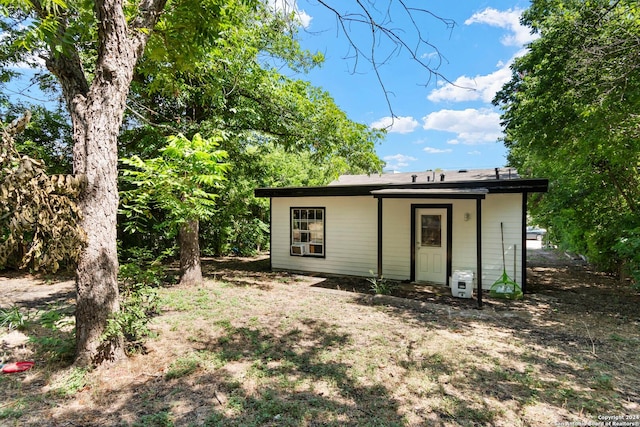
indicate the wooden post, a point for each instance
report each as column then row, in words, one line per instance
column 479, row 251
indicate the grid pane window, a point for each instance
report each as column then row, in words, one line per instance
column 307, row 231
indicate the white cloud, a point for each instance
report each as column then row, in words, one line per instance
column 484, row 87
column 288, row 6
column 471, row 126
column 518, row 35
column 432, row 150
column 429, row 55
column 473, row 88
column 305, row 20
column 396, row 124
column 474, row 153
column 398, row 161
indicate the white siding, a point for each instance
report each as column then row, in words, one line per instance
column 396, row 232
column 464, row 236
column 396, row 239
column 505, row 209
column 352, row 233
column 351, row 226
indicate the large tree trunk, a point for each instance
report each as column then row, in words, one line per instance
column 97, row 270
column 96, row 126
column 190, row 269
column 96, row 112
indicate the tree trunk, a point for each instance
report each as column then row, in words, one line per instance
column 190, row 270
column 97, row 270
column 96, row 112
column 96, row 123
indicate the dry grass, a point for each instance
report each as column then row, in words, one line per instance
column 254, row 348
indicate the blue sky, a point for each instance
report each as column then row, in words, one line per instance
column 437, row 125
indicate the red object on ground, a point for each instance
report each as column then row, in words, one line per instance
column 11, row 368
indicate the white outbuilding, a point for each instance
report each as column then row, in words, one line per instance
column 417, row 227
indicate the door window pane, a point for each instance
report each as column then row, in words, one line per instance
column 431, row 230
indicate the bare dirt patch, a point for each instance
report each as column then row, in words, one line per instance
column 255, row 347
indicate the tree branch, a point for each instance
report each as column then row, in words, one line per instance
column 381, row 32
column 141, row 26
column 66, row 67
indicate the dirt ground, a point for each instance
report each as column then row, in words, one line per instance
column 571, row 349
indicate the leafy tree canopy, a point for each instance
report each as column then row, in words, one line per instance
column 237, row 86
column 570, row 114
column 181, row 182
column 46, row 138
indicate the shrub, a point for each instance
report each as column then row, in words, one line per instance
column 380, row 285
column 13, row 318
column 139, row 280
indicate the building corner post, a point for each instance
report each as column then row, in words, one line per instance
column 479, row 251
column 380, row 237
column 523, row 275
column 271, row 233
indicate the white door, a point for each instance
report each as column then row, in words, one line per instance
column 431, row 245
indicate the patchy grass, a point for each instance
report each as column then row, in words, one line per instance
column 255, row 348
column 68, row 382
column 12, row 318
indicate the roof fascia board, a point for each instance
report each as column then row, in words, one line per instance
column 430, row 196
column 537, row 185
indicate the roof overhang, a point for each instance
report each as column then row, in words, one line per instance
column 430, row 193
column 435, row 189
